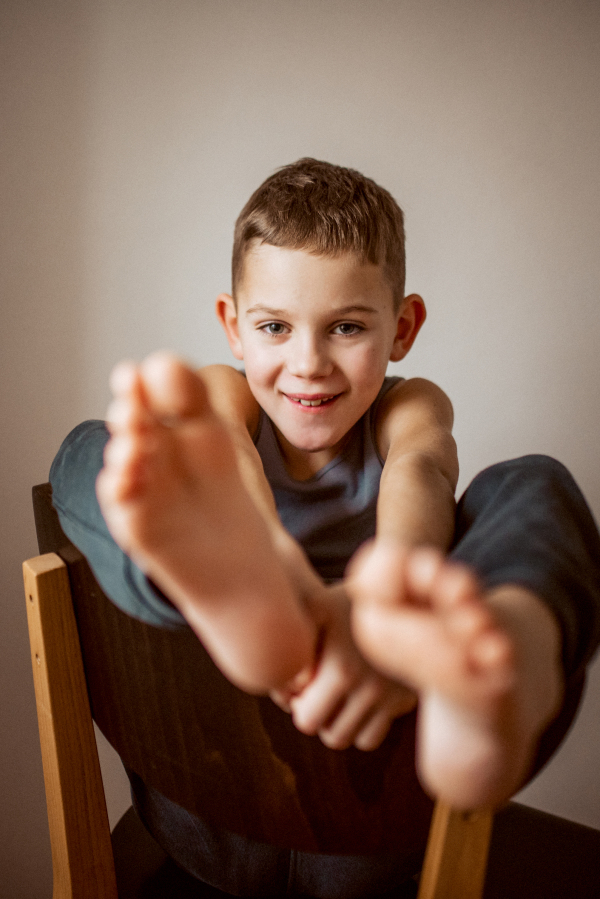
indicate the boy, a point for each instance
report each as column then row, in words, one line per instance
column 207, row 481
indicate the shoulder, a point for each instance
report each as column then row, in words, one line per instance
column 412, row 411
column 416, row 393
column 230, row 396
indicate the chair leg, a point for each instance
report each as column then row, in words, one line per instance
column 82, row 860
column 456, row 855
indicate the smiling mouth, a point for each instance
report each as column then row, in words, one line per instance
column 317, row 401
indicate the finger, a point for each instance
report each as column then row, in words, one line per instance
column 374, row 730
column 457, row 594
column 341, row 731
column 320, row 701
column 301, row 680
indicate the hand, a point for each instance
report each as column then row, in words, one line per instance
column 343, row 699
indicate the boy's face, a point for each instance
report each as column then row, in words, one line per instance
column 315, row 334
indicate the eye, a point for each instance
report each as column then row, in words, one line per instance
column 347, row 329
column 274, row 329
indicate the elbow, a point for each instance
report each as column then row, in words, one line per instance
column 423, row 474
column 435, row 468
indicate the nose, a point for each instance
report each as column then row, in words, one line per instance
column 309, row 357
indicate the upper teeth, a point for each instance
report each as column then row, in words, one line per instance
column 313, row 402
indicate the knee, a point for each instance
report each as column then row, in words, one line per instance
column 76, row 466
column 533, row 468
column 518, row 486
column 547, row 466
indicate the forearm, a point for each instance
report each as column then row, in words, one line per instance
column 416, row 503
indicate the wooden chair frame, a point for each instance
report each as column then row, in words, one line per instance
column 82, row 857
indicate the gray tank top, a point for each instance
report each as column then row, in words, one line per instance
column 334, row 511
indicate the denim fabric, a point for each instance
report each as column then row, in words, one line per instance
column 73, row 477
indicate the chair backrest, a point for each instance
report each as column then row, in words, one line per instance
column 82, row 861
column 237, row 760
column 233, row 759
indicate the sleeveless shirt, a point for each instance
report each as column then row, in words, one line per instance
column 332, row 513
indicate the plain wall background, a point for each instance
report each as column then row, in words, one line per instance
column 133, row 132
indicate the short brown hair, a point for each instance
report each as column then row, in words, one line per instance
column 326, row 210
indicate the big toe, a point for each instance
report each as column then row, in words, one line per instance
column 173, row 389
column 377, row 573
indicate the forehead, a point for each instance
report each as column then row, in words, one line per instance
column 290, row 275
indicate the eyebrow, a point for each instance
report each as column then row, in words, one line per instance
column 267, row 310
column 345, row 310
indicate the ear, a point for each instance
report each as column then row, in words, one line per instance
column 227, row 315
column 411, row 315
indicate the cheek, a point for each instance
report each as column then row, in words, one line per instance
column 259, row 366
column 368, row 363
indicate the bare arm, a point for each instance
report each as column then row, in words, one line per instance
column 416, row 498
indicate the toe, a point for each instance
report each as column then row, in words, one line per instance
column 174, row 390
column 123, row 377
column 377, row 573
column 455, row 586
column 424, row 566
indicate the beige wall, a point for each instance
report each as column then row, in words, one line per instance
column 132, row 132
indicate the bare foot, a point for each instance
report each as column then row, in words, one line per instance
column 486, row 667
column 173, row 500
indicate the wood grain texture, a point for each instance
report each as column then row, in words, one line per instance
column 456, row 856
column 82, row 859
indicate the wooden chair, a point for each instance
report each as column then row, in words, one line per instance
column 235, row 760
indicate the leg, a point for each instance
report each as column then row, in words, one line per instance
column 485, row 656
column 526, row 522
column 73, row 477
